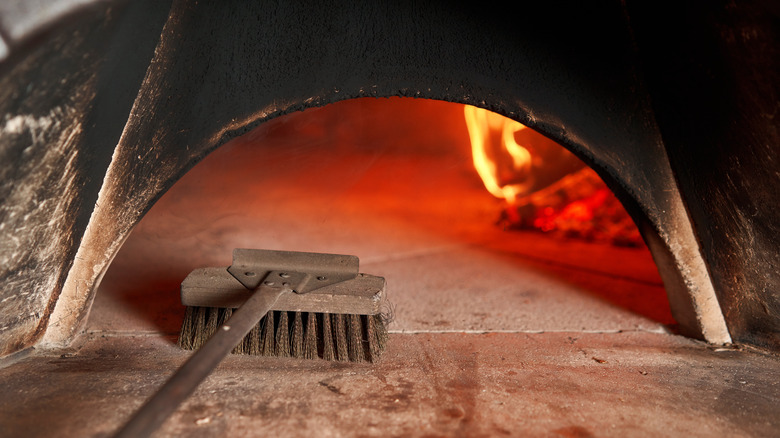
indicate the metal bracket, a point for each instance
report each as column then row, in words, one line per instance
column 286, row 279
column 250, row 266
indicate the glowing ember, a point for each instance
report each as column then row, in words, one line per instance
column 545, row 186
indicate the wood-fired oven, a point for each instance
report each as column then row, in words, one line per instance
column 106, row 104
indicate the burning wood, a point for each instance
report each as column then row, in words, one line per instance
column 545, row 186
column 580, row 206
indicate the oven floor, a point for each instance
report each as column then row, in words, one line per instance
column 495, row 332
column 427, row 384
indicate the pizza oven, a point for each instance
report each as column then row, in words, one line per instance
column 106, row 105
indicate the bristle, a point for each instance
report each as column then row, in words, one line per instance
column 369, row 325
column 327, row 338
column 252, row 343
column 355, row 338
column 198, row 338
column 282, row 337
column 268, row 335
column 211, row 323
column 296, row 339
column 310, row 337
column 340, row 337
column 187, row 328
column 379, row 339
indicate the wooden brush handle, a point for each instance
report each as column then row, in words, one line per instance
column 162, row 404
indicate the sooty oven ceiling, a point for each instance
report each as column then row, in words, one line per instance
column 107, row 104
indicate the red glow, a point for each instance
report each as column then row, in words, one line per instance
column 597, row 216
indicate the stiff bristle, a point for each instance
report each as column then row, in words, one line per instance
column 268, row 335
column 327, row 338
column 199, row 337
column 252, row 342
column 296, row 340
column 212, row 323
column 188, row 328
column 310, row 337
column 282, row 336
column 355, row 338
column 340, row 337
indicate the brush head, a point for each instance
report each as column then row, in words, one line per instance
column 305, row 335
column 343, row 321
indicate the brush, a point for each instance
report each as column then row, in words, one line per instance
column 342, row 321
column 303, row 305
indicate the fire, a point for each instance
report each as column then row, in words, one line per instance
column 483, row 127
column 545, row 186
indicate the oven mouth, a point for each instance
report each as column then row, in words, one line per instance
column 392, row 181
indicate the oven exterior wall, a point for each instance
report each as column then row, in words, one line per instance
column 67, row 81
column 713, row 72
column 575, row 74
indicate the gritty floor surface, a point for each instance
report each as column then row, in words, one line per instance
column 495, row 332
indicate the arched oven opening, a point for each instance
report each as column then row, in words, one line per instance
column 395, row 181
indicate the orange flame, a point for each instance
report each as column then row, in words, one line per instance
column 484, row 127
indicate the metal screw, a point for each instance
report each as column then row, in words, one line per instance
column 284, row 275
column 322, row 278
column 268, row 283
column 249, row 274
